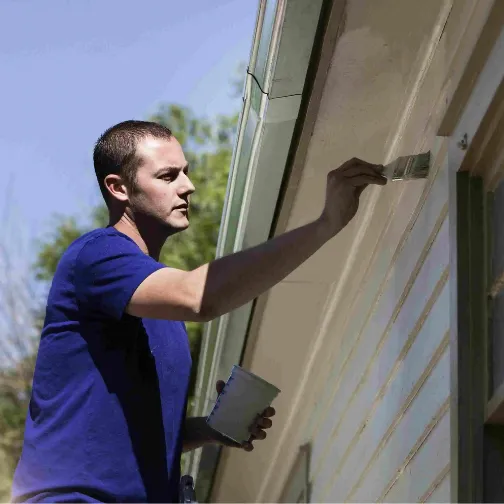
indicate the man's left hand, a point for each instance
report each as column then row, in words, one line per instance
column 257, row 429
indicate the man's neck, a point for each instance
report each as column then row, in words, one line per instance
column 150, row 243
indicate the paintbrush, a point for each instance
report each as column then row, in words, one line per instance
column 408, row 167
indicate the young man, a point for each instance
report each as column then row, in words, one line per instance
column 106, row 421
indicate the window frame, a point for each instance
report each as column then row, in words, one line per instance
column 297, row 487
column 476, row 162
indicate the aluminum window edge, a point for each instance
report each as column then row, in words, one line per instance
column 226, row 207
column 207, row 349
column 275, row 119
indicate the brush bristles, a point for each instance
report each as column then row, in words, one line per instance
column 410, row 167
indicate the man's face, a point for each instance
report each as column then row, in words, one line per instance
column 163, row 188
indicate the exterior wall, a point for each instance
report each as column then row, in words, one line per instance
column 357, row 338
column 380, row 429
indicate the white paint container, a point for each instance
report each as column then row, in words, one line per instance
column 244, row 397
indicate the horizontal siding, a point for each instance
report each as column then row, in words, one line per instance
column 401, row 382
column 408, row 425
column 337, row 352
column 388, row 391
column 440, row 490
column 395, row 335
column 395, row 263
column 423, row 465
column 336, row 399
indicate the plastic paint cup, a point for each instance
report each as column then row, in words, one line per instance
column 244, row 397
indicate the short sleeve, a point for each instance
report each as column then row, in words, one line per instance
column 108, row 270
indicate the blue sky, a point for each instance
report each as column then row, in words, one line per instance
column 70, row 69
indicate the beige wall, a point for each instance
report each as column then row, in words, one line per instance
column 357, row 337
column 380, row 427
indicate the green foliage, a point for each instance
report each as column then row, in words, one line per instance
column 66, row 232
column 15, row 390
column 14, row 396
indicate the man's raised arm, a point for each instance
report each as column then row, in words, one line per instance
column 229, row 282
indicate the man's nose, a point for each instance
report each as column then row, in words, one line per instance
column 186, row 186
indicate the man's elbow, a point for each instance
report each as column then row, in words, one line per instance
column 203, row 306
column 205, row 312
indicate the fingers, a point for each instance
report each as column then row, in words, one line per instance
column 357, row 173
column 353, row 162
column 256, row 430
column 269, row 412
column 373, row 170
column 356, row 163
column 360, row 180
column 257, row 433
column 264, row 423
column 248, row 446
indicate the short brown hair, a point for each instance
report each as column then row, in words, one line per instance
column 115, row 151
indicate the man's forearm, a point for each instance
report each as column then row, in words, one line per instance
column 196, row 434
column 234, row 280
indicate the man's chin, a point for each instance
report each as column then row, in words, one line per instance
column 178, row 225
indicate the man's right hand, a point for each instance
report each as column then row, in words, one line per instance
column 344, row 187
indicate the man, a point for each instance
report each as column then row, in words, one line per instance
column 106, row 420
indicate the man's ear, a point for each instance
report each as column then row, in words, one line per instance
column 116, row 187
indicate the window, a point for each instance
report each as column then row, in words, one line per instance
column 480, row 340
column 495, row 409
column 297, row 487
column 476, row 160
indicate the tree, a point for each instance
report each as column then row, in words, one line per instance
column 20, row 323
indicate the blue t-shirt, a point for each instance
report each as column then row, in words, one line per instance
column 109, row 391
